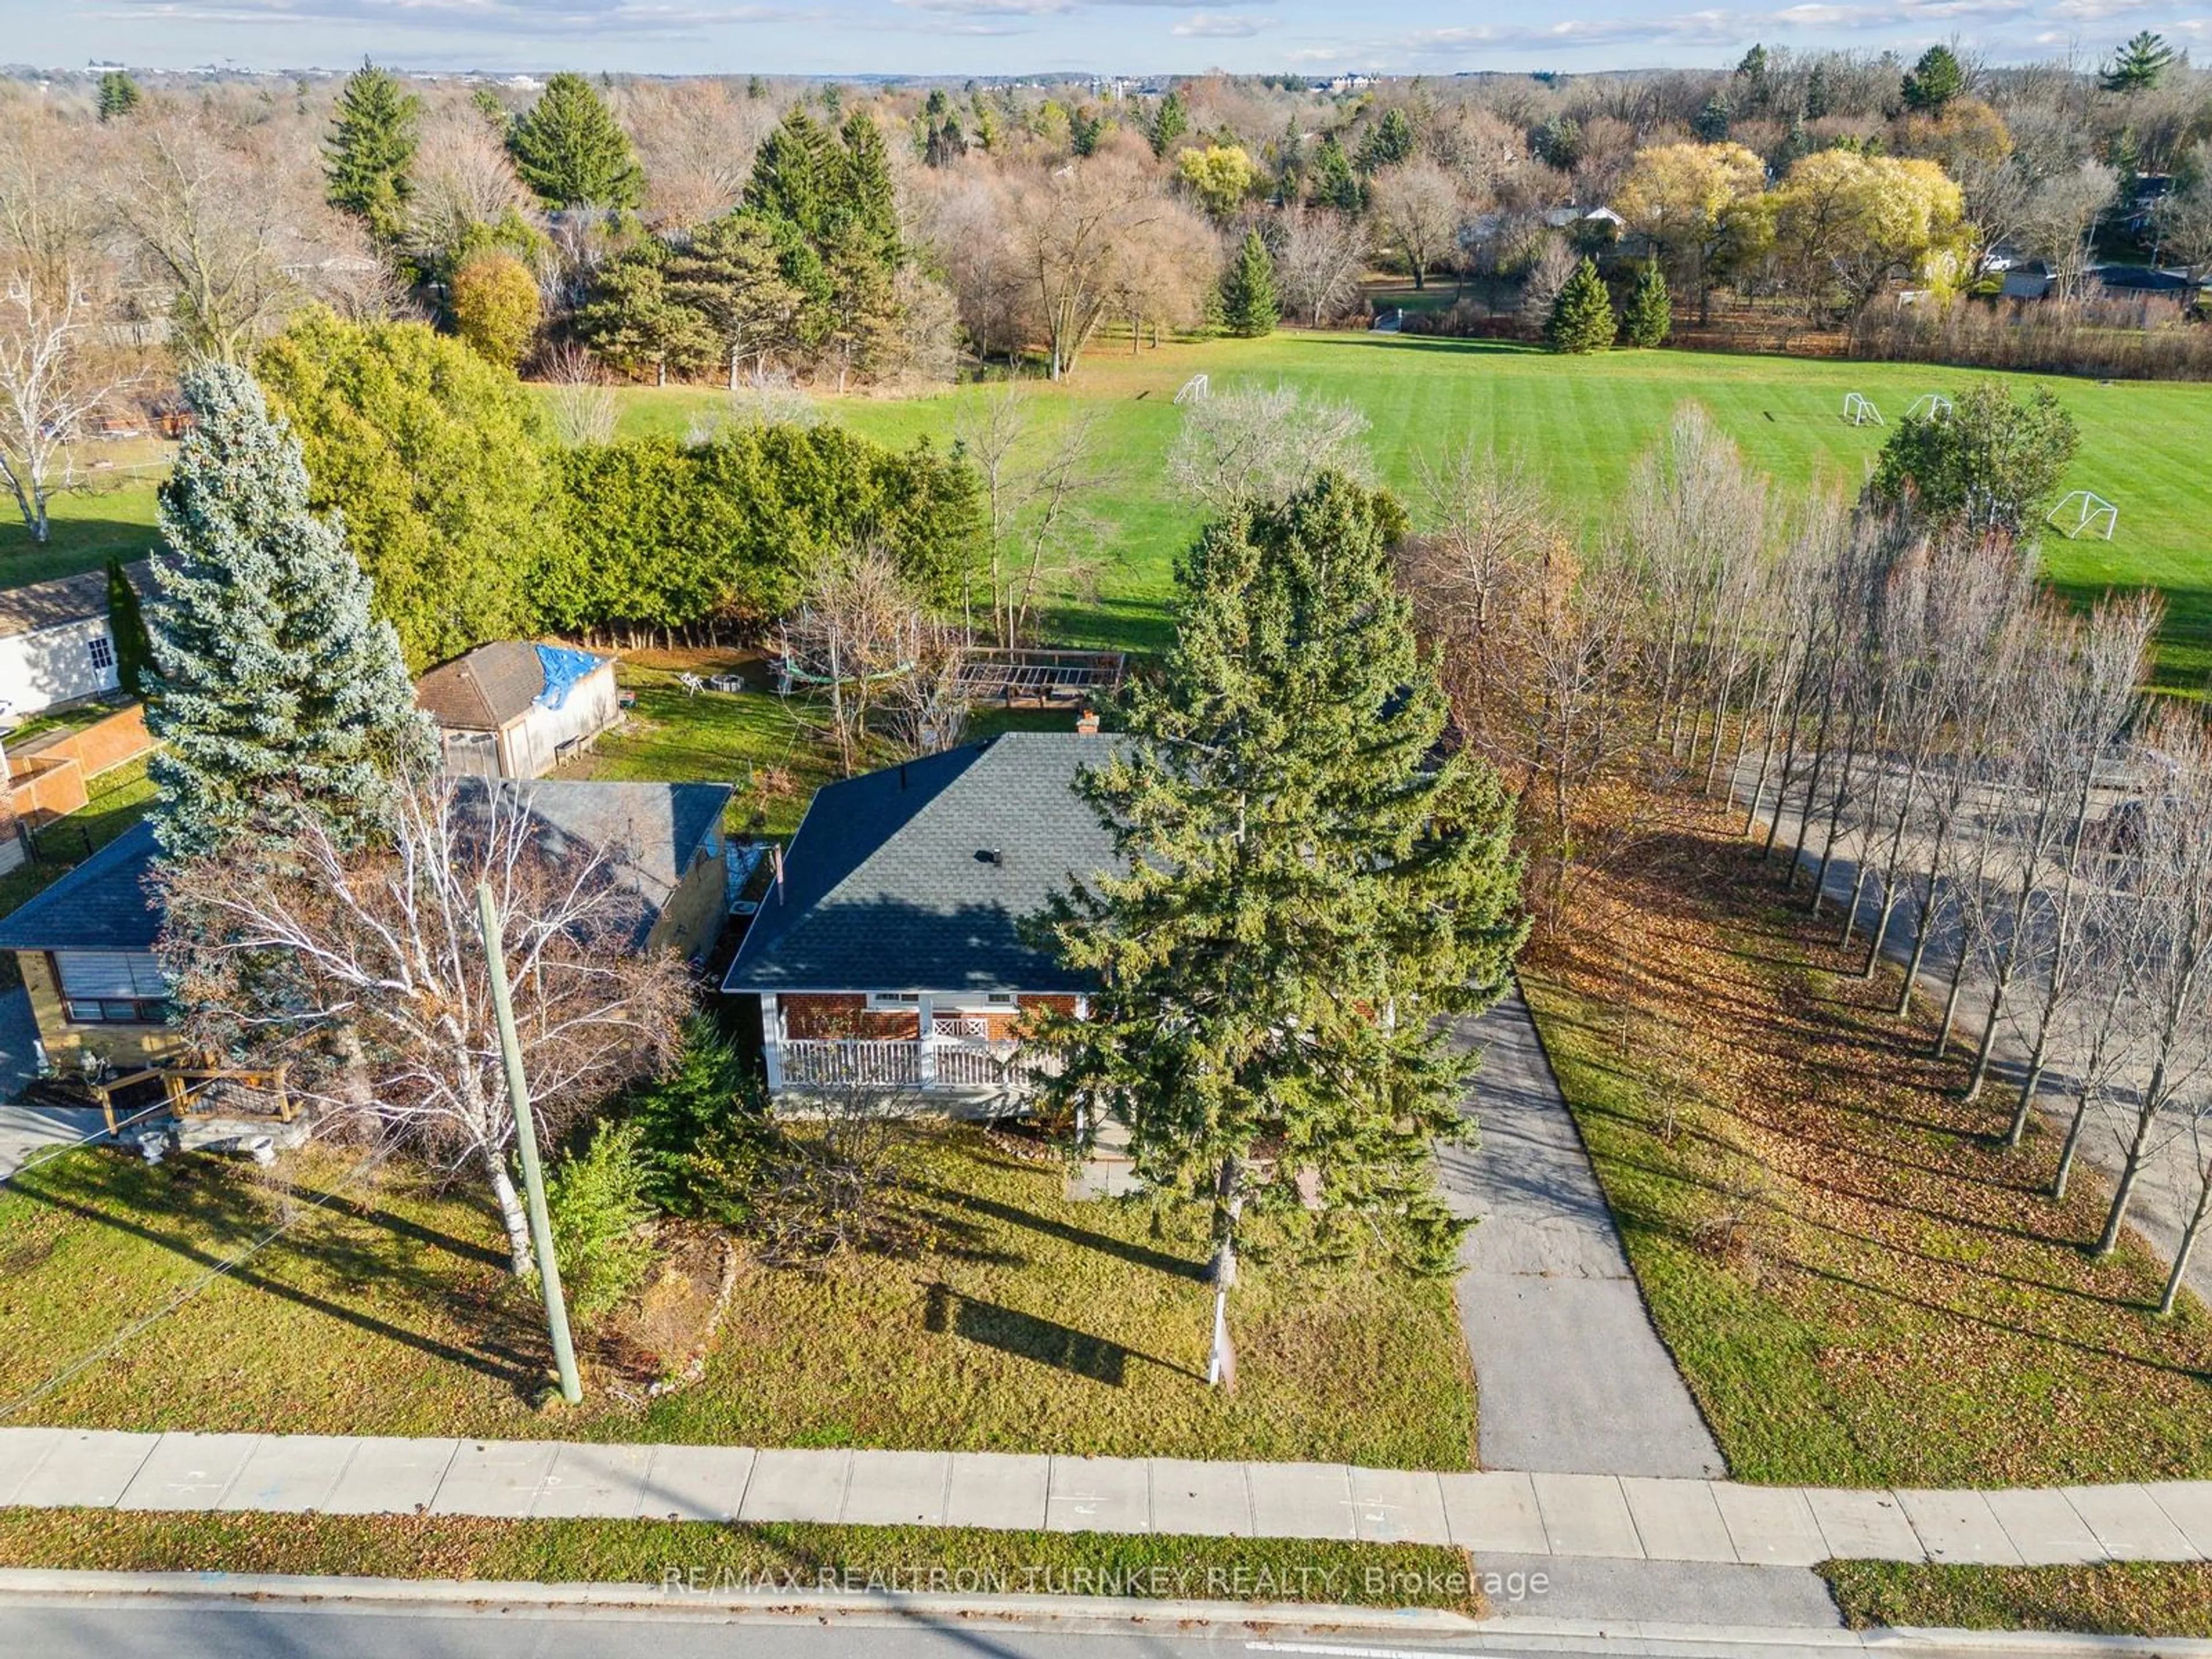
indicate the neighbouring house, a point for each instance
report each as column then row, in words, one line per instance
column 2032, row 281
column 54, row 644
column 665, row 840
column 86, row 944
column 889, row 953
column 516, row 710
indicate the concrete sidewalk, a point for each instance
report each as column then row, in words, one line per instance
column 1531, row 1515
column 1571, row 1374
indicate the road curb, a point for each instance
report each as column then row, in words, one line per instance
column 45, row 1584
column 1625, row 1637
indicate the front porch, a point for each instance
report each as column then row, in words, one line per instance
column 974, row 1055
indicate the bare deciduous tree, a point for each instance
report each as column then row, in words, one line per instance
column 1317, row 271
column 1252, row 443
column 1038, row 476
column 376, row 955
column 1417, row 207
column 857, row 631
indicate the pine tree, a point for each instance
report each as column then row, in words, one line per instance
column 1169, row 122
column 795, row 176
column 126, row 626
column 1713, row 119
column 1817, row 96
column 571, row 151
column 2141, row 65
column 118, row 94
column 1582, row 316
column 1249, row 304
column 270, row 676
column 1335, row 184
column 371, row 142
column 1648, row 314
column 1934, row 81
column 1308, row 890
column 1390, row 144
column 870, row 199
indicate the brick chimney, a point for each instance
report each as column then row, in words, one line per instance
column 1086, row 723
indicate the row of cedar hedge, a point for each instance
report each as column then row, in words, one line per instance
column 655, row 533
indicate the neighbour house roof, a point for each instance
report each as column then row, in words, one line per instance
column 916, row 877
column 102, row 905
column 496, row 684
column 651, row 831
column 65, row 600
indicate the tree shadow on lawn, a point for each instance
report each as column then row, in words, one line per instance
column 1138, row 1255
column 948, row 1312
column 499, row 1356
column 1431, row 343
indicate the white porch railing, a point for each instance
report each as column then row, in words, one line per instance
column 899, row 1063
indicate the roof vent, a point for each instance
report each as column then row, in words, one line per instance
column 990, row 856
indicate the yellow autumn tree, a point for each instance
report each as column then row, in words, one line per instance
column 1220, row 176
column 1846, row 224
column 1701, row 206
column 495, row 306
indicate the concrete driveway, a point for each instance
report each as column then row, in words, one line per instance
column 1573, row 1377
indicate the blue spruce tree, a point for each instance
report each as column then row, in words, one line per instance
column 273, row 683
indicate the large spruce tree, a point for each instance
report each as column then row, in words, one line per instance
column 371, row 141
column 1309, row 883
column 272, row 679
column 572, row 152
column 1250, row 306
column 1582, row 318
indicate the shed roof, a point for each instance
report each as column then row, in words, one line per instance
column 64, row 599
column 890, row 885
column 495, row 684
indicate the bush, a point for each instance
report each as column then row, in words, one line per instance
column 596, row 1201
column 703, row 1129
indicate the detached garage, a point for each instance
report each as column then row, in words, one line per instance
column 514, row 709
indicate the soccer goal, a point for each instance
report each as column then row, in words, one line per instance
column 1859, row 410
column 1195, row 389
column 2082, row 512
column 1928, row 406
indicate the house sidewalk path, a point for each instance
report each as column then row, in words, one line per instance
column 1517, row 1514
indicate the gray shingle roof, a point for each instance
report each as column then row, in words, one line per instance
column 652, row 830
column 885, row 888
column 102, row 905
column 65, row 600
column 487, row 688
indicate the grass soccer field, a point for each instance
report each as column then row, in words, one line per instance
column 1579, row 423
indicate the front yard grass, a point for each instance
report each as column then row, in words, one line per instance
column 1019, row 1320
column 766, row 1556
column 1861, row 1286
column 2123, row 1598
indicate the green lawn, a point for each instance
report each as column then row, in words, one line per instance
column 1862, row 1287
column 766, row 1556
column 2130, row 1598
column 1016, row 1320
column 1580, row 423
column 113, row 513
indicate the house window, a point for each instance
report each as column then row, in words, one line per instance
column 894, row 999
column 101, row 649
column 112, row 988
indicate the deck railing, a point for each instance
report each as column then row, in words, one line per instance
column 899, row 1063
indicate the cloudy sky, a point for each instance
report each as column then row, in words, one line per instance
column 941, row 37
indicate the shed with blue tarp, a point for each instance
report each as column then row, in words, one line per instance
column 516, row 708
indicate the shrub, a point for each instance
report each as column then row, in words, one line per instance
column 596, row 1201
column 701, row 1129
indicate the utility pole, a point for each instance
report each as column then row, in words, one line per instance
column 526, row 1147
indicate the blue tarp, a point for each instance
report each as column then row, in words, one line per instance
column 563, row 668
